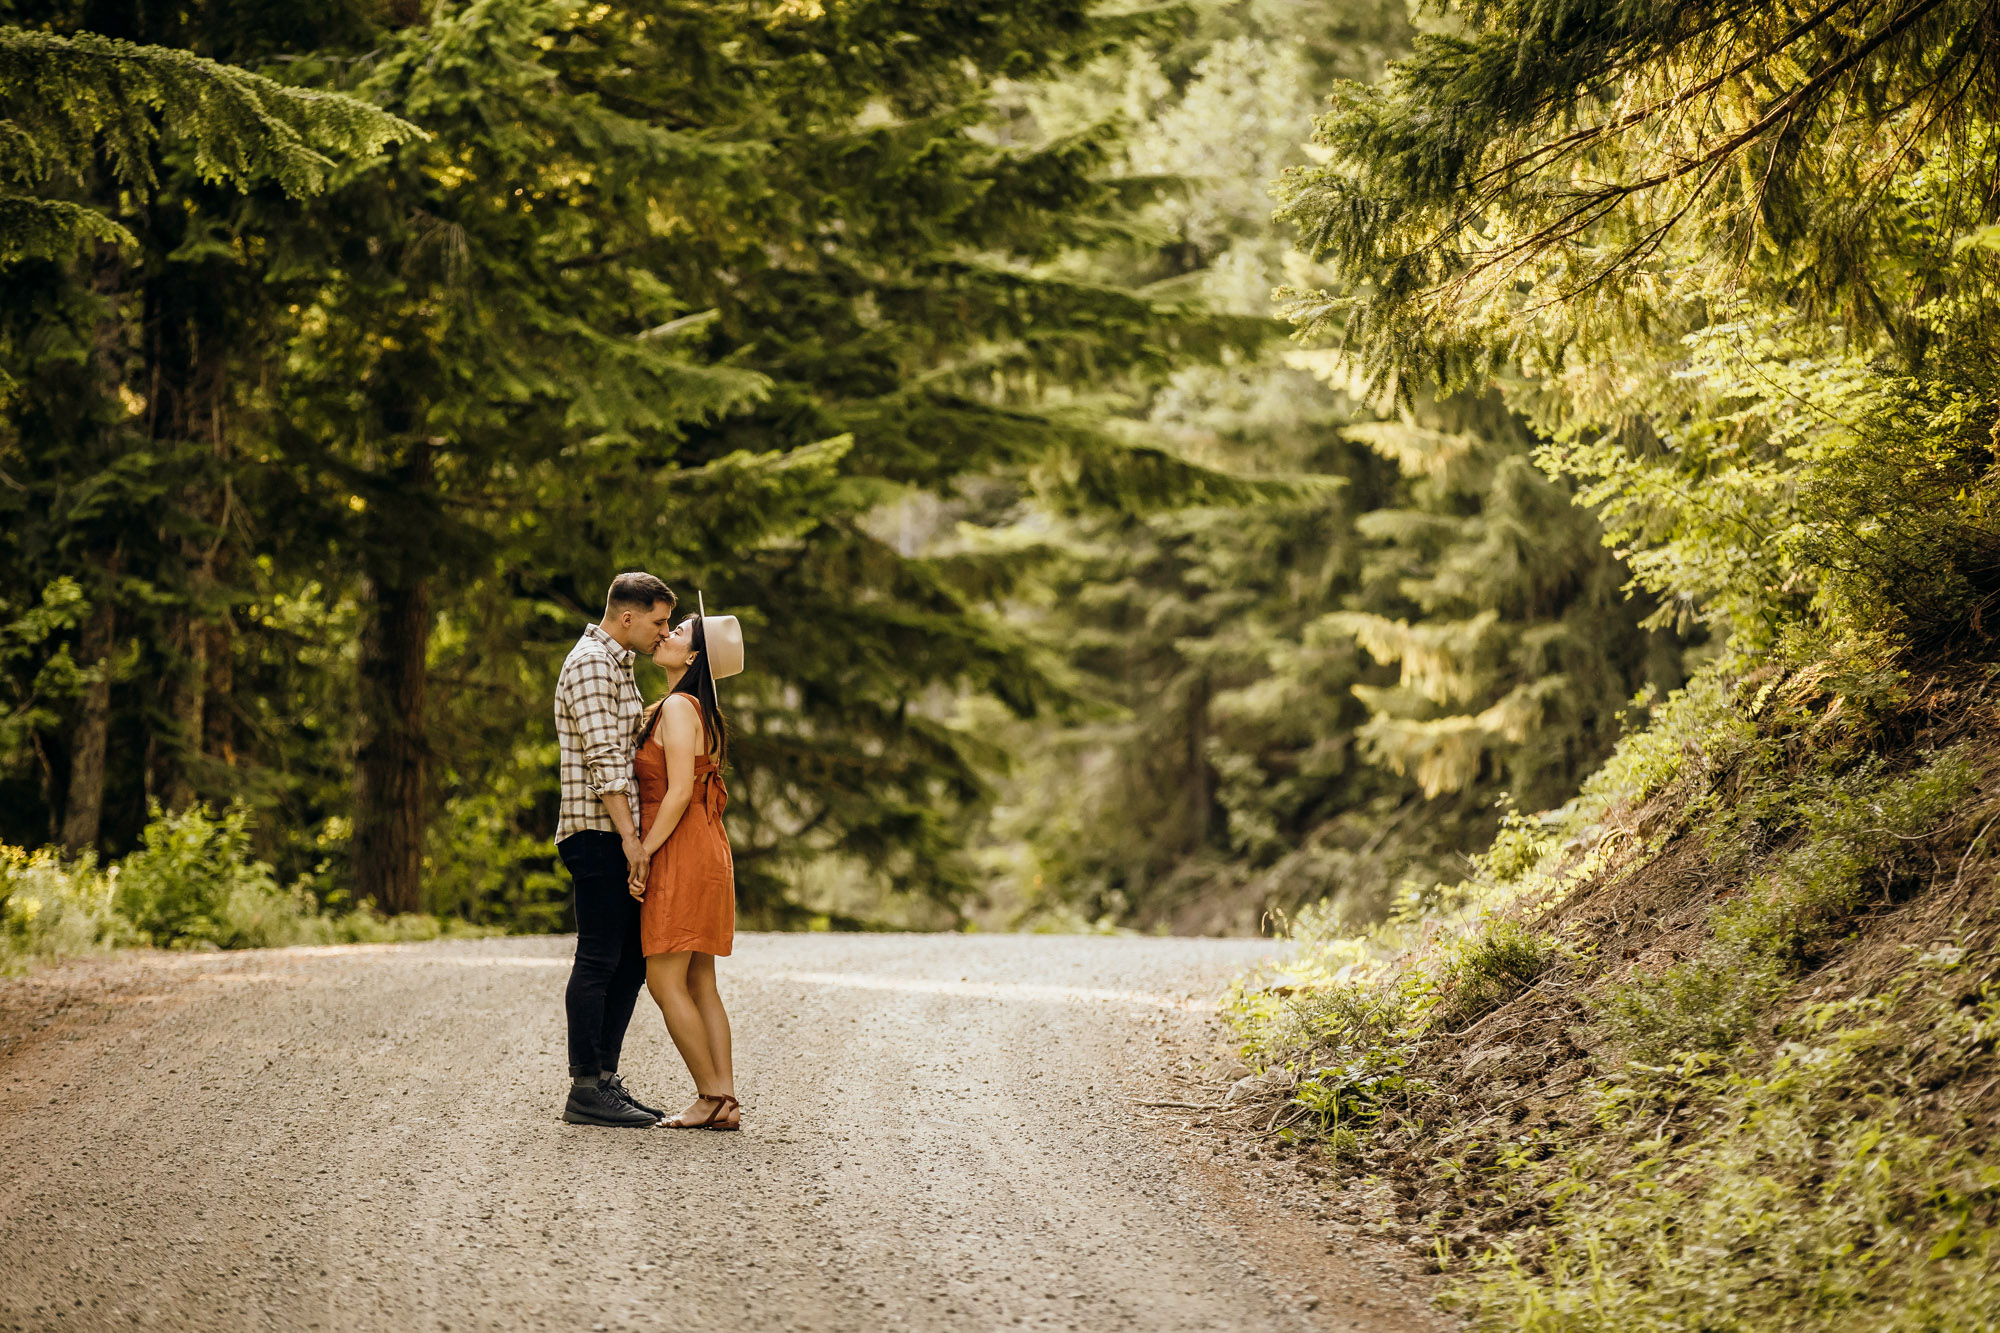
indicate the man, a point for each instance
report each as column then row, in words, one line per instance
column 597, row 836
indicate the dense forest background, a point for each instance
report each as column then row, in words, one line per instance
column 348, row 349
column 937, row 345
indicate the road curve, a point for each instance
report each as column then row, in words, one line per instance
column 937, row 1136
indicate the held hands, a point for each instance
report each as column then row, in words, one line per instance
column 636, row 862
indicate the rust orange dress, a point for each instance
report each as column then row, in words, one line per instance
column 690, row 902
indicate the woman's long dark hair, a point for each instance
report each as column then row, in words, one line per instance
column 698, row 681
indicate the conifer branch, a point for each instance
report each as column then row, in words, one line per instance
column 1786, row 105
column 1593, row 206
column 70, row 103
column 1591, row 133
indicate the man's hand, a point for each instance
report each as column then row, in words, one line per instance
column 635, row 865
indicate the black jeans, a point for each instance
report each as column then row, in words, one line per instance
column 604, row 981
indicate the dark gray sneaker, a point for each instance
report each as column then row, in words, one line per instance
column 601, row 1106
column 615, row 1083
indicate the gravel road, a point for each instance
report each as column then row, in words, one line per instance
column 939, row 1134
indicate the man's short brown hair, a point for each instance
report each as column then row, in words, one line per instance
column 638, row 591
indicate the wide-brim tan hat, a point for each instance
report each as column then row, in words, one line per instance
column 724, row 638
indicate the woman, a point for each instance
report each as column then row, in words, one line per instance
column 687, row 904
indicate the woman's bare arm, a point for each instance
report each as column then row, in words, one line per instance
column 678, row 732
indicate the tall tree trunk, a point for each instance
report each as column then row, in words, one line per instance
column 201, row 690
column 186, row 328
column 83, row 806
column 48, row 775
column 1201, row 777
column 83, row 800
column 393, row 764
column 187, row 694
column 218, row 731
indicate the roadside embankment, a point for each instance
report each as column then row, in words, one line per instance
column 1712, row 1047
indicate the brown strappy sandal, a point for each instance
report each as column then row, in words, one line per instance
column 722, row 1105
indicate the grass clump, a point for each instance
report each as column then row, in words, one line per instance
column 49, row 909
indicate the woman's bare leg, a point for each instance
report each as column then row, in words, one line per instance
column 715, row 1022
column 667, row 980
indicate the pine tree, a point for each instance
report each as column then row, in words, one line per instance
column 94, row 130
column 478, row 310
column 1516, row 644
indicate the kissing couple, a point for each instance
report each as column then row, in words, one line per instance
column 640, row 832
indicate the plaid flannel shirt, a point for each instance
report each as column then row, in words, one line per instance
column 597, row 719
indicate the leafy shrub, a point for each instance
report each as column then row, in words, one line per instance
column 1522, row 843
column 1355, row 1017
column 1343, row 1096
column 1327, row 1018
column 193, row 883
column 487, row 857
column 1695, row 727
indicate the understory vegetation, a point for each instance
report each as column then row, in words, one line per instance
column 193, row 883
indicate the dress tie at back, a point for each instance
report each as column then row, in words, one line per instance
column 708, row 788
